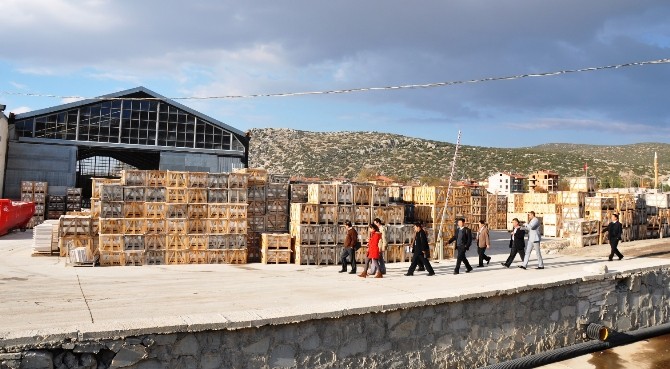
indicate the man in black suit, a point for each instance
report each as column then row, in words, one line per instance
column 420, row 251
column 614, row 231
column 516, row 243
column 463, row 238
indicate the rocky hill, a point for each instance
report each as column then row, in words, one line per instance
column 348, row 154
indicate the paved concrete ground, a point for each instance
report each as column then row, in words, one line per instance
column 41, row 296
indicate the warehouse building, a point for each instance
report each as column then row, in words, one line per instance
column 68, row 144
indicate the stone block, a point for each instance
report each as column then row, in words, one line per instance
column 283, row 357
column 187, row 346
column 88, row 347
column 211, row 361
column 259, row 348
column 353, row 347
column 128, row 355
column 37, row 360
column 403, row 330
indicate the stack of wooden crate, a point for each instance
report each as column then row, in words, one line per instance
column 276, row 248
column 429, row 207
column 582, row 232
column 56, row 206
column 35, row 192
column 73, row 199
column 496, row 211
column 658, row 214
column 75, row 231
column 600, row 209
column 166, row 217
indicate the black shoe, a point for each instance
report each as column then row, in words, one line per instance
column 522, row 267
column 431, row 274
column 455, row 273
column 352, row 272
column 469, row 270
column 343, row 271
column 488, row 261
column 505, row 265
column 480, row 266
column 620, row 257
column 409, row 274
column 610, row 259
column 539, row 268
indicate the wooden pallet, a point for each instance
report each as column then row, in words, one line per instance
column 271, row 241
column 276, row 256
column 134, row 193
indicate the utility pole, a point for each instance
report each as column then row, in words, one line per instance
column 440, row 241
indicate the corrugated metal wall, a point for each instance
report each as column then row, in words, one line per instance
column 198, row 162
column 4, row 133
column 38, row 162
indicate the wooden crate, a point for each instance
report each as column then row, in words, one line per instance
column 218, row 211
column 40, row 187
column 227, row 241
column 176, row 210
column 361, row 255
column 155, row 194
column 156, row 257
column 380, row 196
column 196, row 195
column 155, row 226
column 277, row 178
column 572, row 212
column 197, row 179
column 345, row 213
column 256, row 176
column 197, row 211
column 27, row 187
column 328, row 234
column 198, row 257
column 395, row 194
column 176, row 195
column 276, row 256
column 237, row 226
column 134, row 226
column 111, row 226
column 237, row 195
column 361, row 214
column 197, row 225
column 256, row 223
column 305, row 234
column 28, row 197
column 278, row 207
column 217, row 195
column 276, row 223
column 362, row 194
column 397, row 254
column 175, row 257
column 110, row 242
column 177, row 226
column 111, row 209
column 40, row 198
column 111, row 192
column 391, row 214
column 156, row 178
column 217, row 180
column 605, row 203
column 133, row 242
column 328, row 213
column 155, row 210
column 70, row 225
column 305, row 213
column 82, row 241
column 307, row 255
column 275, row 241
column 134, row 193
column 345, row 194
column 299, row 193
column 256, row 208
column 176, row 179
column 585, row 184
column 134, row 258
column 408, row 194
column 320, row 193
column 580, row 227
column 238, row 180
column 234, row 256
column 237, row 211
column 155, row 242
column 573, row 198
column 198, row 242
column 177, row 242
column 329, row 254
column 217, row 226
column 400, row 234
column 256, row 193
column 133, row 210
column 112, row 258
column 579, row 240
column 435, row 195
column 277, row 191
column 133, row 177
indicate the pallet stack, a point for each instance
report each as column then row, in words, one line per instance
column 496, row 211
column 600, row 209
column 75, row 231
column 276, row 248
column 582, row 232
column 73, row 199
column 166, row 217
column 428, row 209
column 35, row 192
column 56, row 206
column 658, row 214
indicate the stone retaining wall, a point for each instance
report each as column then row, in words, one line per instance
column 475, row 332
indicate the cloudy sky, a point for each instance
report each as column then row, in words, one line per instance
column 215, row 47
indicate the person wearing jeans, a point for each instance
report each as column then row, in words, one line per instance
column 349, row 250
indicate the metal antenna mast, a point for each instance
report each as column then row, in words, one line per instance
column 440, row 241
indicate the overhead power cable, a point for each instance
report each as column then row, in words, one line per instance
column 359, row 89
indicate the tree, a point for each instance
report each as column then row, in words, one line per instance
column 366, row 174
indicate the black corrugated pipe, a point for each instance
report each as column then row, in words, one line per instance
column 565, row 353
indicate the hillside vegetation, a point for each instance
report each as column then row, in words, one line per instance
column 346, row 154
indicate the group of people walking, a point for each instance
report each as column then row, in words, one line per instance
column 463, row 238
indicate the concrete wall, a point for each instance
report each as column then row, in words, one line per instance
column 474, row 332
column 197, row 162
column 4, row 133
column 55, row 164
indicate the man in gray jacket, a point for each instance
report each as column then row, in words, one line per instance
column 533, row 229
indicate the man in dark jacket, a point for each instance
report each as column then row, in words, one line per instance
column 463, row 238
column 349, row 250
column 614, row 232
column 420, row 251
column 516, row 243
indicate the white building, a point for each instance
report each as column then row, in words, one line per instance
column 505, row 183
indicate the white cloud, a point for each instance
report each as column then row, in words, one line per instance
column 21, row 109
column 68, row 100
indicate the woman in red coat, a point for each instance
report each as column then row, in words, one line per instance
column 373, row 251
